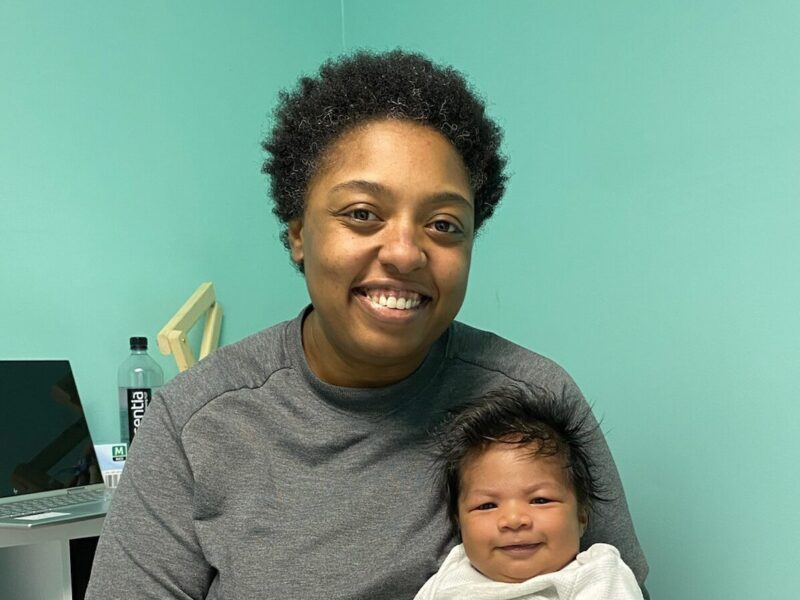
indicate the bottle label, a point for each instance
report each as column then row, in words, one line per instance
column 138, row 399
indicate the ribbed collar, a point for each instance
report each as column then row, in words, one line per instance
column 366, row 401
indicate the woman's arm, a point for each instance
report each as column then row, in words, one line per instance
column 148, row 547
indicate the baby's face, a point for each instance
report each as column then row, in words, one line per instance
column 518, row 514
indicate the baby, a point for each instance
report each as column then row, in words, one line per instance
column 519, row 487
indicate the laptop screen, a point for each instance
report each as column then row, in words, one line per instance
column 45, row 438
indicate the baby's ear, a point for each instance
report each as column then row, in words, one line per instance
column 583, row 519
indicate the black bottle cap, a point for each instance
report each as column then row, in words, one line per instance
column 138, row 343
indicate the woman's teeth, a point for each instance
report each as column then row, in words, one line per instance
column 404, row 302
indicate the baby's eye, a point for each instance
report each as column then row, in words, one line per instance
column 443, row 226
column 541, row 500
column 486, row 506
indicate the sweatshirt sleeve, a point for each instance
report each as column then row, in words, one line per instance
column 148, row 547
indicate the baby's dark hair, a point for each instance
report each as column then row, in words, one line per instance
column 539, row 421
column 364, row 87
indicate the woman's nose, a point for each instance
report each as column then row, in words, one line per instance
column 402, row 249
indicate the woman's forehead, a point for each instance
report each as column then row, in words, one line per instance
column 395, row 153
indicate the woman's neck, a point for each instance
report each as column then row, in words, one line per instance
column 334, row 367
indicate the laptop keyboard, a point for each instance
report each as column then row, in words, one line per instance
column 40, row 505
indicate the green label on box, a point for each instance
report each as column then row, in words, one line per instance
column 119, row 452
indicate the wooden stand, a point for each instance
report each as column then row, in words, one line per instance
column 172, row 339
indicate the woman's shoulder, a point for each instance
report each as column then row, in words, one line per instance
column 488, row 351
column 248, row 363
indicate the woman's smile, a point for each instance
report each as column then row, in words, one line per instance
column 391, row 309
column 391, row 298
column 392, row 302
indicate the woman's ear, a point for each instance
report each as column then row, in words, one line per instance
column 295, row 230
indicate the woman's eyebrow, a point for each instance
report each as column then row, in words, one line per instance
column 450, row 198
column 362, row 185
column 379, row 190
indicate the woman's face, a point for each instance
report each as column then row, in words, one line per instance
column 385, row 240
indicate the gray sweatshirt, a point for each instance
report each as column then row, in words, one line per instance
column 251, row 478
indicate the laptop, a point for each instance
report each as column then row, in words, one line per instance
column 49, row 471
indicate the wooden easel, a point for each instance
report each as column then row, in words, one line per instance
column 172, row 339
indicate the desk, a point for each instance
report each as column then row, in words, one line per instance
column 35, row 563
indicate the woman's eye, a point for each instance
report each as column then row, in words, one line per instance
column 445, row 227
column 361, row 214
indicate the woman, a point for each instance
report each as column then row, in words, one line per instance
column 292, row 464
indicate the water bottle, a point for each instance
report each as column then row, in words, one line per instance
column 138, row 378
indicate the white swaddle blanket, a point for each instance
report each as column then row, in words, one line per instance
column 596, row 574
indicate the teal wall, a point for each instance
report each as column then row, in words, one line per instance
column 648, row 242
column 130, row 172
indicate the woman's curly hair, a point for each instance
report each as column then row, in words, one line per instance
column 365, row 86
